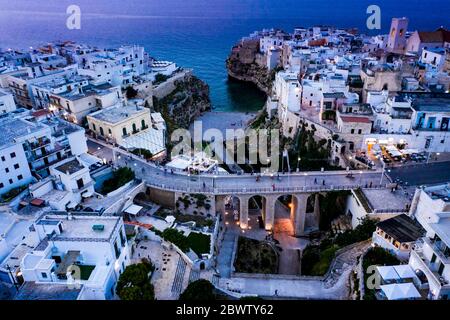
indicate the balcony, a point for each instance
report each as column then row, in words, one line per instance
column 429, row 268
column 49, row 164
column 47, row 153
column 440, row 249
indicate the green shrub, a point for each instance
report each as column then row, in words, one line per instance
column 120, row 177
column 200, row 290
column 200, row 243
column 134, row 282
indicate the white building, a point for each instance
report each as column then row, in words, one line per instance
column 434, row 58
column 431, row 256
column 77, row 102
column 14, row 164
column 7, row 103
column 85, row 252
column 398, row 235
column 72, row 176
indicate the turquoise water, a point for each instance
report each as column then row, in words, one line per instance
column 197, row 33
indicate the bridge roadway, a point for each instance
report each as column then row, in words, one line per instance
column 232, row 184
column 300, row 185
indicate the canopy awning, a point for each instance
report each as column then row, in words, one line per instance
column 388, row 273
column 71, row 205
column 405, row 271
column 87, row 194
column 133, row 209
column 400, row 291
column 37, row 202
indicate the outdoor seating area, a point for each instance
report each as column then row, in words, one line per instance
column 399, row 282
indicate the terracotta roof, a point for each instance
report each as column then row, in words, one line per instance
column 37, row 202
column 431, row 37
column 40, row 113
column 355, row 119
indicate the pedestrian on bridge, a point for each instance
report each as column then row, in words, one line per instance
column 323, row 182
column 315, row 180
column 273, row 187
column 204, row 185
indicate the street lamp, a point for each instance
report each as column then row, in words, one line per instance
column 298, row 164
column 305, row 174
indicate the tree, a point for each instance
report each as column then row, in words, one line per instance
column 134, row 282
column 131, row 92
column 199, row 290
column 120, row 177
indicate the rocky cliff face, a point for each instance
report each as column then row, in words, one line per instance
column 188, row 100
column 244, row 63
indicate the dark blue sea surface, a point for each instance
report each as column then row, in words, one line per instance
column 198, row 33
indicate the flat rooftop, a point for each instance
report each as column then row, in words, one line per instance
column 89, row 90
column 354, row 119
column 117, row 114
column 402, row 228
column 70, row 167
column 432, row 104
column 385, row 200
column 439, row 192
column 13, row 128
column 80, row 227
column 442, row 229
column 47, row 291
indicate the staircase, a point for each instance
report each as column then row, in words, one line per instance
column 179, row 276
column 194, row 275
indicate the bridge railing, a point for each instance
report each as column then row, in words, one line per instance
column 244, row 190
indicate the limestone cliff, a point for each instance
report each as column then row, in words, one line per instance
column 245, row 64
column 181, row 105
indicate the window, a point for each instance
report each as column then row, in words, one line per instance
column 352, row 131
column 101, row 131
column 13, row 155
column 124, row 131
column 1, row 185
column 7, row 170
column 80, row 183
column 143, row 123
column 44, row 275
column 16, row 166
column 116, row 249
column 93, row 126
column 359, row 131
column 11, row 181
column 3, row 158
column 19, row 177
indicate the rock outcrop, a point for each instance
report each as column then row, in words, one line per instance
column 187, row 100
column 245, row 64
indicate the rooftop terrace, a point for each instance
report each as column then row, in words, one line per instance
column 70, row 167
column 13, row 128
column 80, row 227
column 117, row 113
